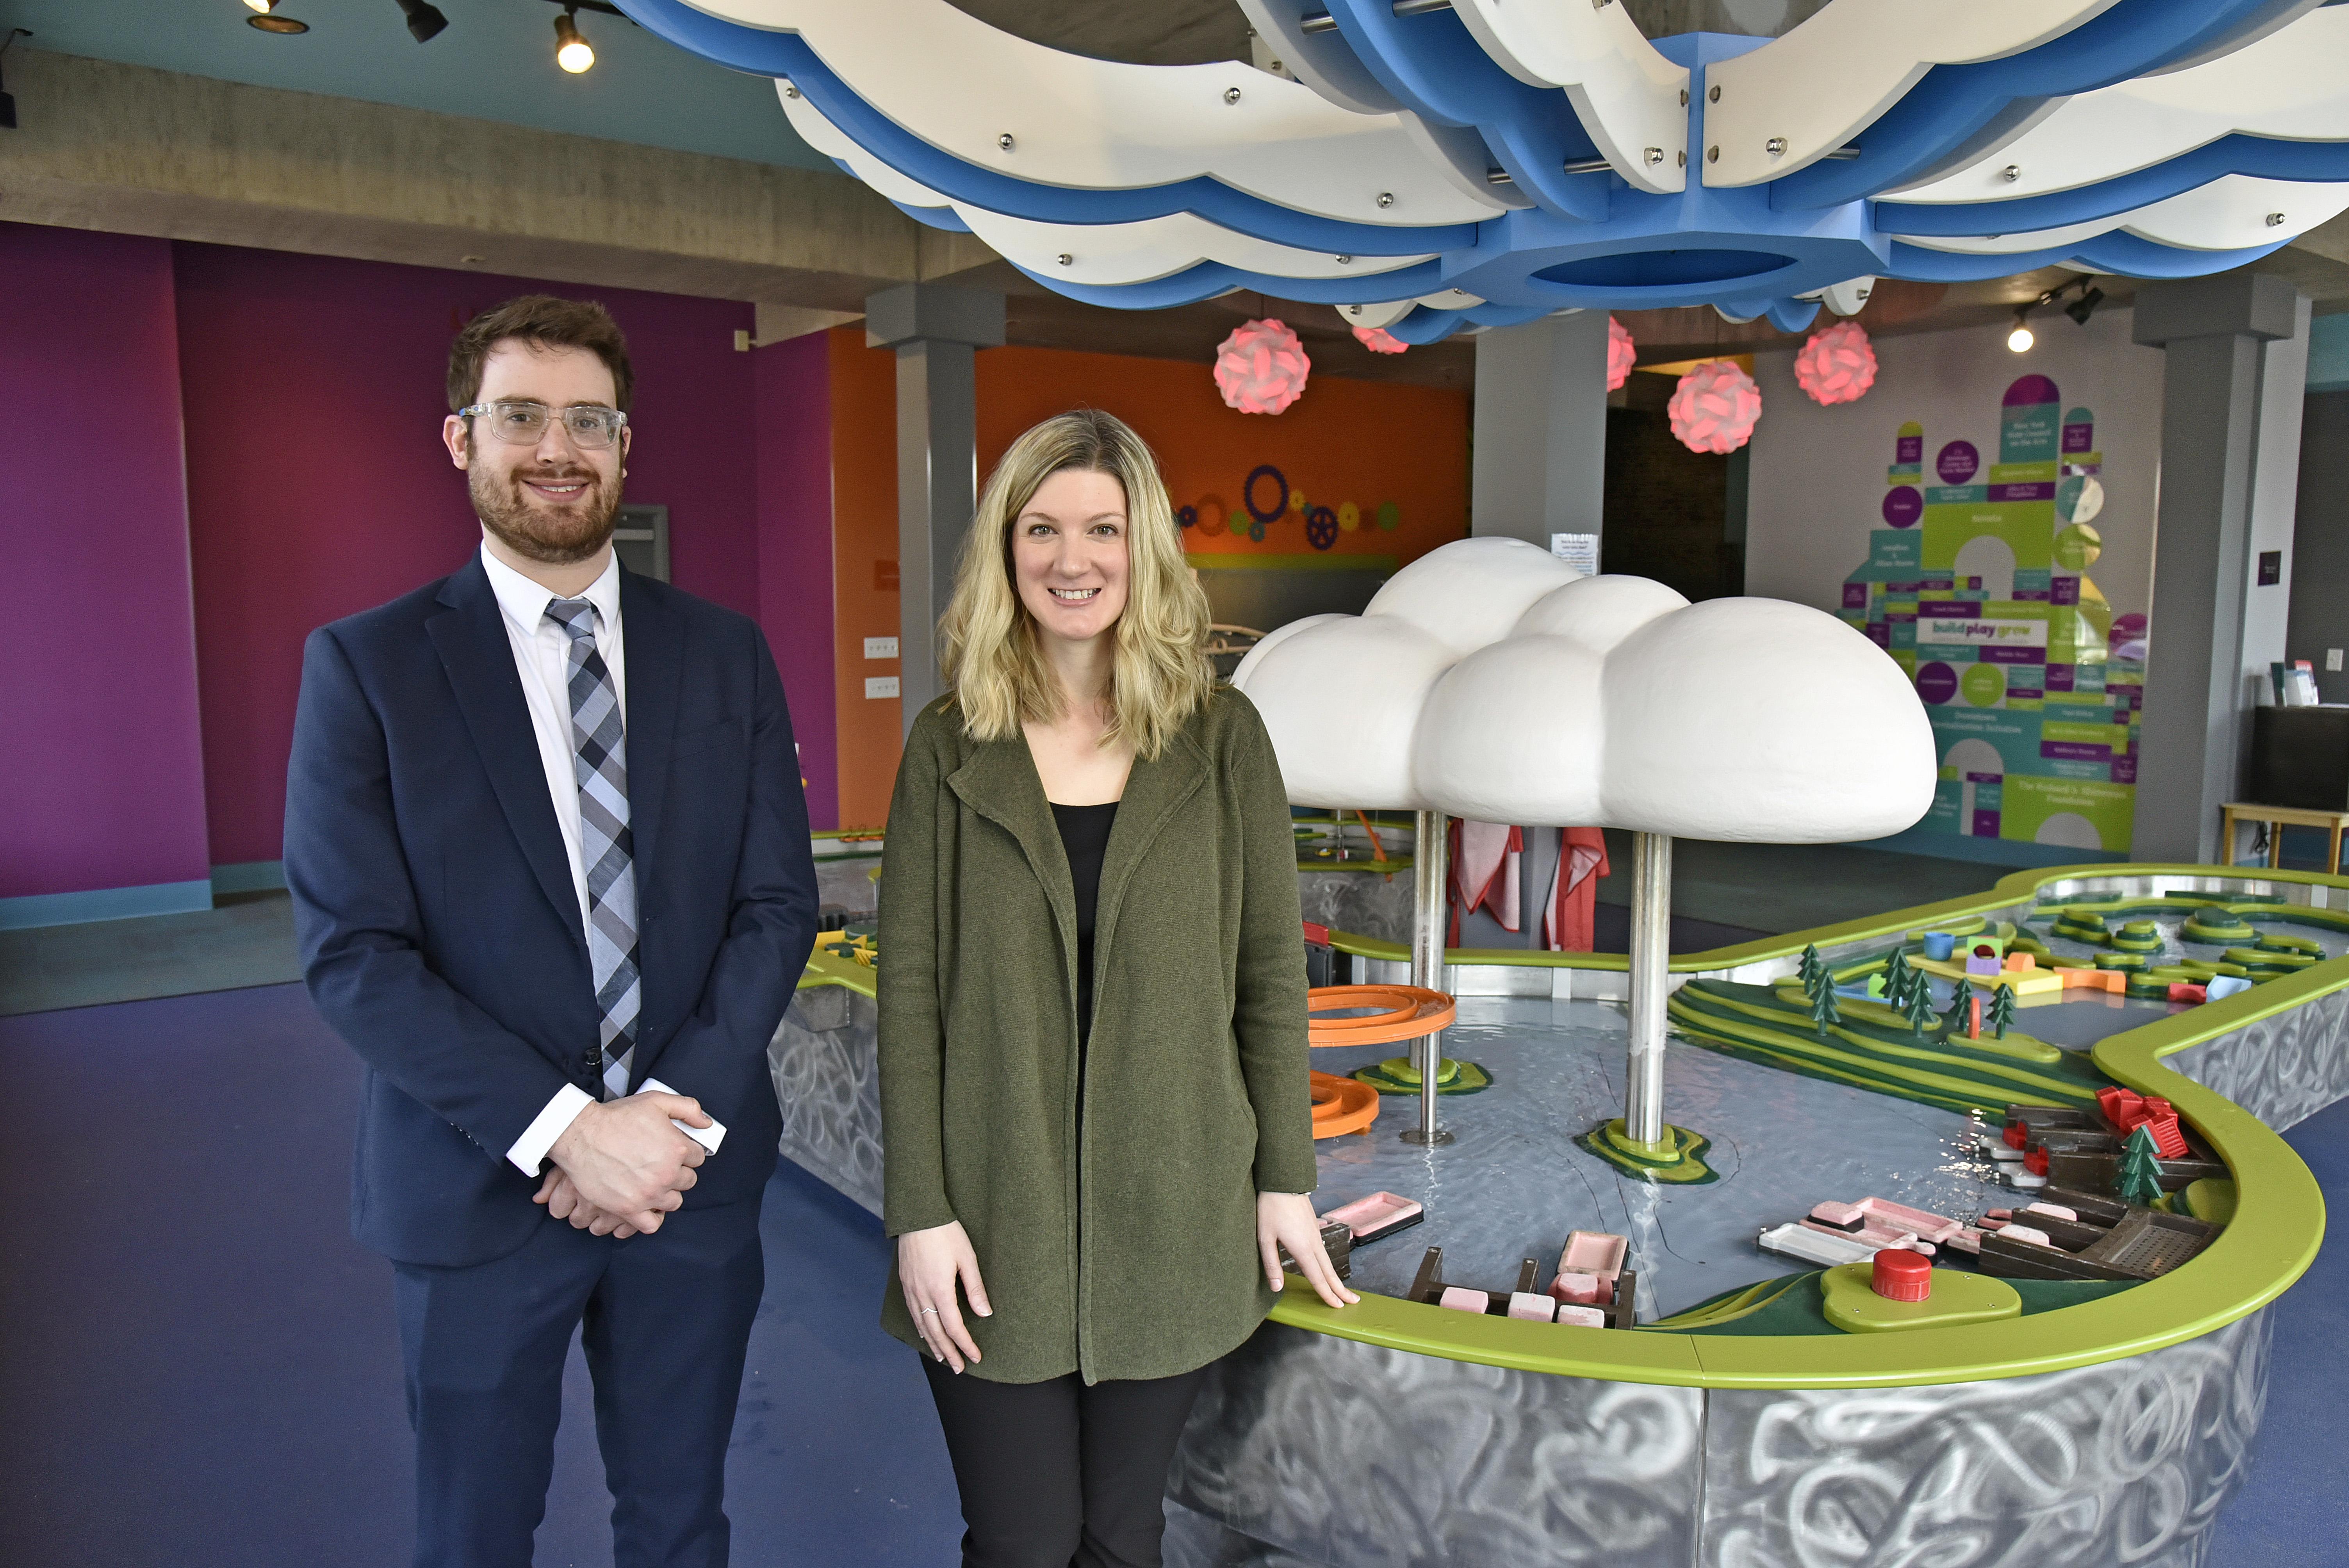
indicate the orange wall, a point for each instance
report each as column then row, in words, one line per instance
column 1365, row 442
column 863, row 569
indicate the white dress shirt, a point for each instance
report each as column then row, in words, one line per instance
column 542, row 653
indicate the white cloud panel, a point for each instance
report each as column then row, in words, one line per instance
column 1490, row 681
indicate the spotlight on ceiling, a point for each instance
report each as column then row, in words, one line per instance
column 286, row 27
column 265, row 7
column 571, row 50
column 2080, row 309
column 2020, row 340
column 424, row 21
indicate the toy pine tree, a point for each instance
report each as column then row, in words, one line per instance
column 1811, row 968
column 2140, row 1176
column 1824, row 1013
column 1919, row 1010
column 2000, row 1015
column 1897, row 978
column 1961, row 1008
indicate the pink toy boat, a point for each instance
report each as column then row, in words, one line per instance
column 1589, row 1268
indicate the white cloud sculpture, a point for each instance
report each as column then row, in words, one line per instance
column 1491, row 681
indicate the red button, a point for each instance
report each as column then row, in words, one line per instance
column 1902, row 1275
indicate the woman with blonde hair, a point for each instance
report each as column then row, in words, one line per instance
column 1093, row 1043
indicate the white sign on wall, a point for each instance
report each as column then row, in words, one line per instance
column 1579, row 550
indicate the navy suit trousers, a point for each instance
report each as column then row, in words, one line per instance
column 667, row 1323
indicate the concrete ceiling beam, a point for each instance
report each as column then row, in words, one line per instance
column 131, row 150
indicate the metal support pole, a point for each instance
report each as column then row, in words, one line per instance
column 1428, row 912
column 1652, row 949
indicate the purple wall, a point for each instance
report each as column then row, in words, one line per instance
column 318, row 485
column 102, row 764
column 794, row 402
column 159, row 582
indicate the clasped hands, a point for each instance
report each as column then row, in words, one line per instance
column 619, row 1167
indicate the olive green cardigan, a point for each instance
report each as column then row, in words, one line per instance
column 1114, row 1211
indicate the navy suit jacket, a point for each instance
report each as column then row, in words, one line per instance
column 440, row 931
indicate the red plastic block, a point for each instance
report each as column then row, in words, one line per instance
column 2169, row 1142
column 1901, row 1276
column 2016, row 1138
column 2123, row 1109
column 2036, row 1161
column 2186, row 991
column 1317, row 934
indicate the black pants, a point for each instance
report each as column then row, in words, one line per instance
column 667, row 1320
column 1058, row 1475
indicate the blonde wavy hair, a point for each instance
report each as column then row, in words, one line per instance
column 1159, row 674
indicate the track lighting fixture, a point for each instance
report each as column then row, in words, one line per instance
column 571, row 47
column 424, row 21
column 2080, row 309
column 2020, row 340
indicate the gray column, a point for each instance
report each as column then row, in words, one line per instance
column 936, row 330
column 1541, row 428
column 2218, row 474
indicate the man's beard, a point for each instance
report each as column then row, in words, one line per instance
column 535, row 532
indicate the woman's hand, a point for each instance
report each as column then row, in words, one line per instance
column 1287, row 1220
column 928, row 1263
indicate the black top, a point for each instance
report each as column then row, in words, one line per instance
column 1084, row 834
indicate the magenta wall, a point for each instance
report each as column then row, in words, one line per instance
column 100, row 751
column 318, row 486
column 794, row 382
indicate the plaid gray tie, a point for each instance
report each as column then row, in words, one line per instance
column 599, row 747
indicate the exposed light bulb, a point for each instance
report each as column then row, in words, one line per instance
column 2020, row 340
column 571, row 48
column 263, row 6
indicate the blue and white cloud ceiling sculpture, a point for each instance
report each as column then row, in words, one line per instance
column 1445, row 162
column 1490, row 680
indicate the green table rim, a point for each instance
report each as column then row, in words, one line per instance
column 2279, row 1222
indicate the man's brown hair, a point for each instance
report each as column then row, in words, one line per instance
column 547, row 320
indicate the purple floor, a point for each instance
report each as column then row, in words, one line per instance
column 199, row 1370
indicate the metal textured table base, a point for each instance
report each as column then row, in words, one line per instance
column 1307, row 1451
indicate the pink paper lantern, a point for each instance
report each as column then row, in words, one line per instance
column 1837, row 366
column 1715, row 407
column 1260, row 368
column 1379, row 340
column 1619, row 354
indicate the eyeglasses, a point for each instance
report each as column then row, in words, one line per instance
column 524, row 424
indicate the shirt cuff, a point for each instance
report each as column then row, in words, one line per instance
column 529, row 1150
column 708, row 1136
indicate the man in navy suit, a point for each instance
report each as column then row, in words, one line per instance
column 549, row 858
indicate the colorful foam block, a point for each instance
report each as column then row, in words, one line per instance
column 1532, row 1309
column 1582, row 1316
column 1580, row 1289
column 1460, row 1298
column 1599, row 1252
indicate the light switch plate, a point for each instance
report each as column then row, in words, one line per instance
column 880, row 647
column 2332, row 660
column 880, row 686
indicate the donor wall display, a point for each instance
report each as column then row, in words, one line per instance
column 1978, row 584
